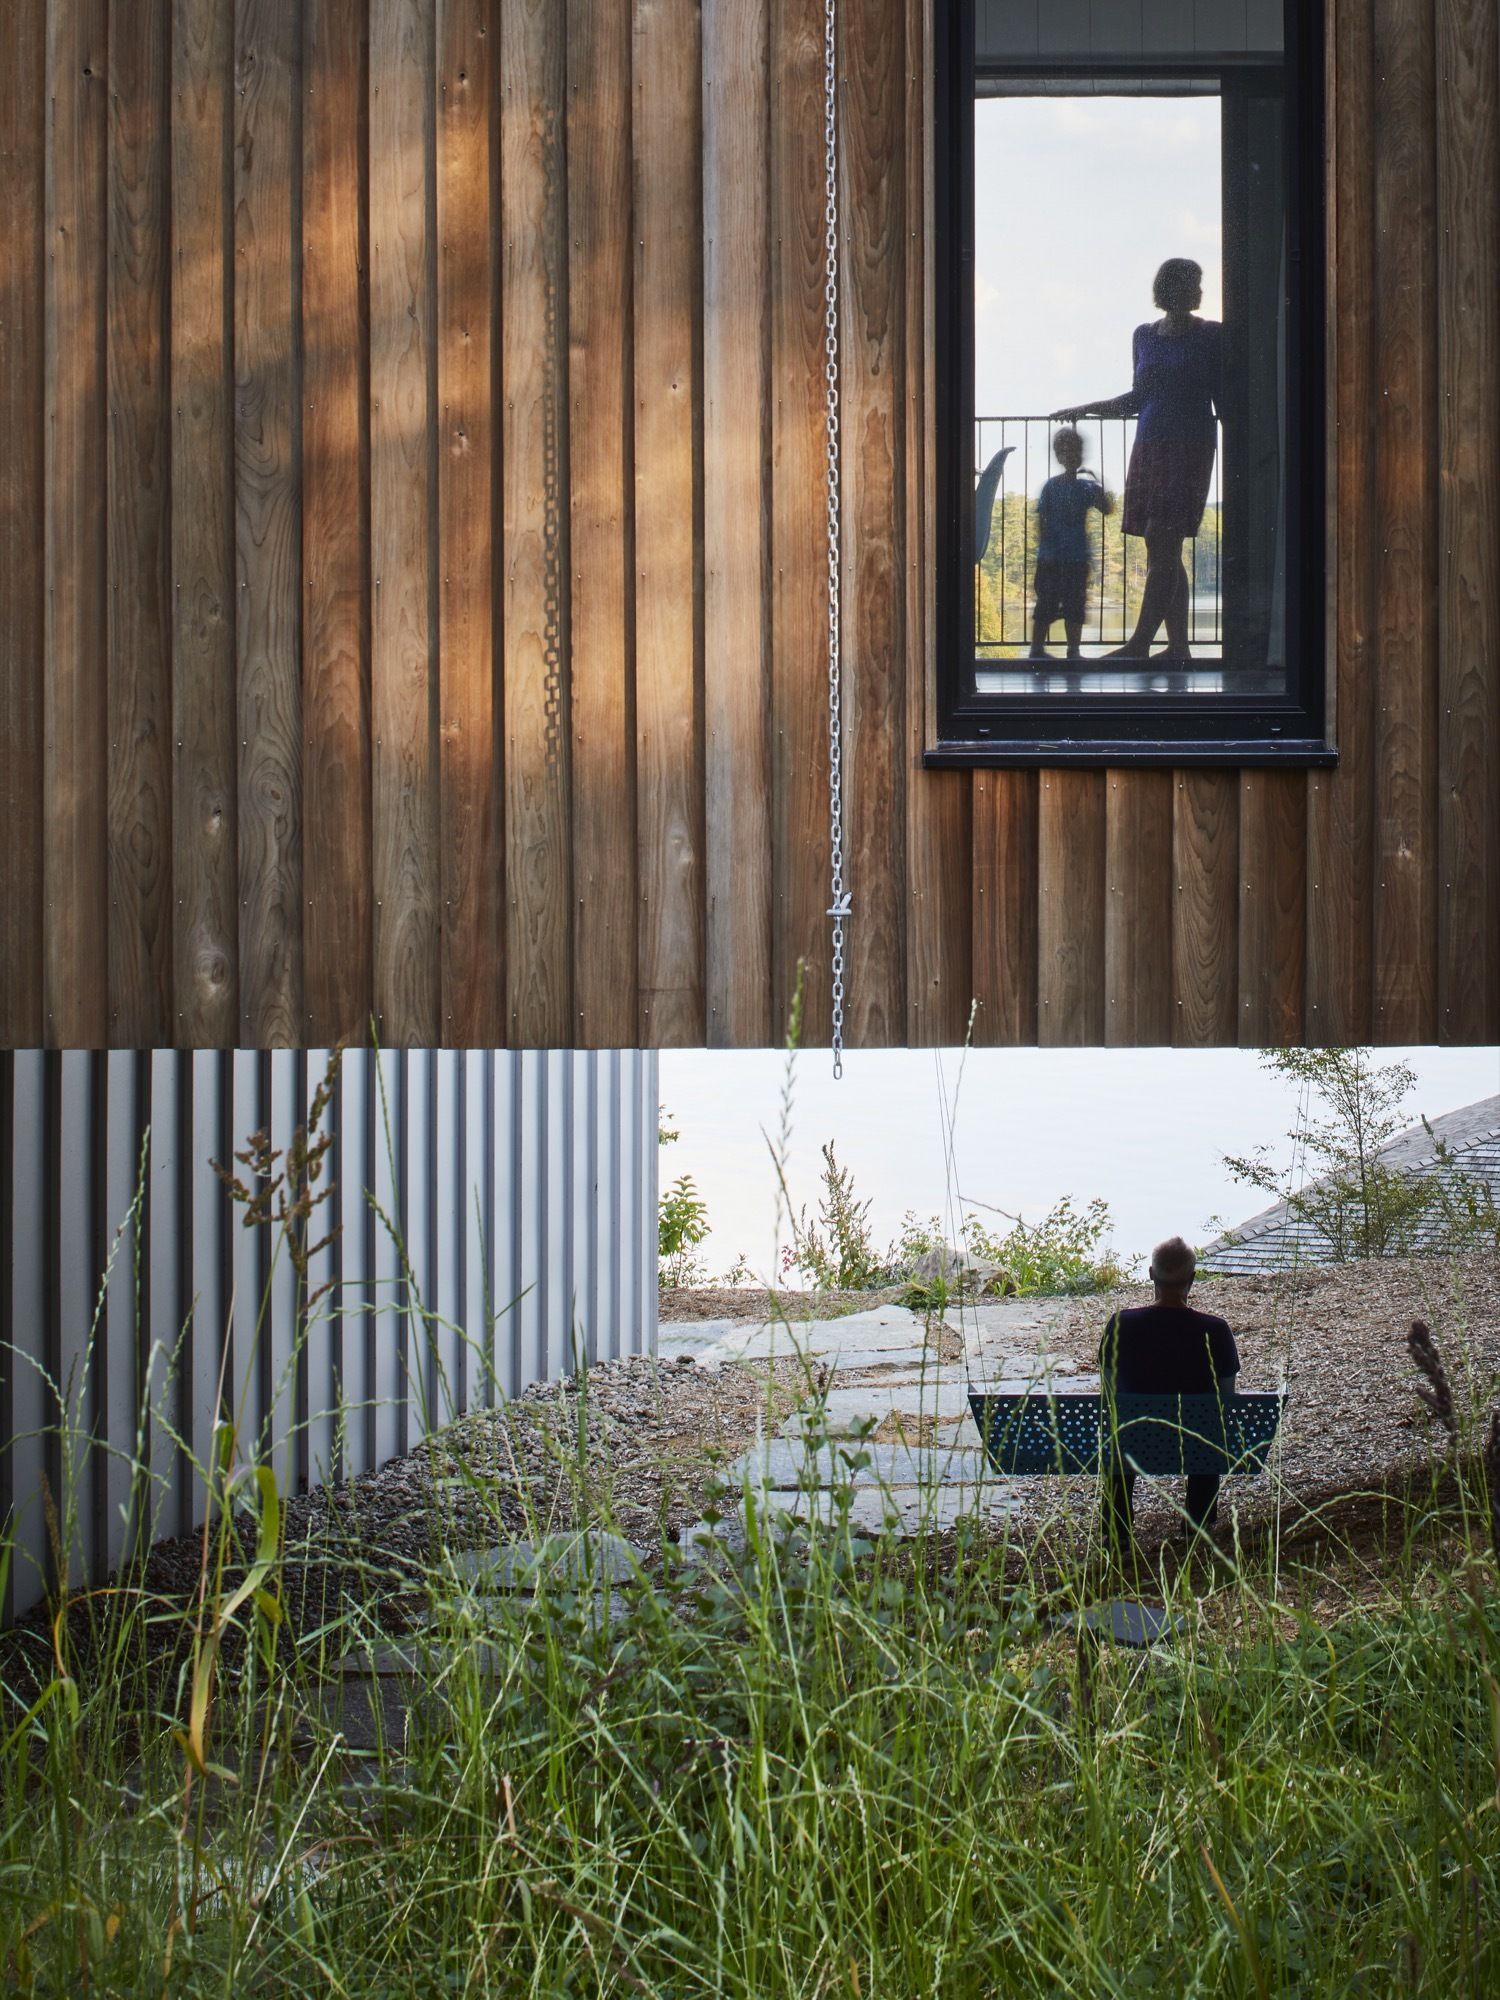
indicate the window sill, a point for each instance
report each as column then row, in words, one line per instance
column 1248, row 753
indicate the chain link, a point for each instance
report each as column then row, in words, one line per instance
column 840, row 905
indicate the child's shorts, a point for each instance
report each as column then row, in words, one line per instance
column 1062, row 590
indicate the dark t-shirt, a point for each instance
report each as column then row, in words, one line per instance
column 1167, row 1350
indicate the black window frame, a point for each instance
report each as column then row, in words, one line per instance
column 974, row 729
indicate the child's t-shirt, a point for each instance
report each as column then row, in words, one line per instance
column 1062, row 512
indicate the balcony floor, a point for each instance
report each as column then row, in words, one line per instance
column 1083, row 677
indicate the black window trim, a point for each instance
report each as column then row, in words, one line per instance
column 1057, row 730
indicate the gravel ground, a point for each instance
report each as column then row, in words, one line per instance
column 655, row 1432
column 738, row 1302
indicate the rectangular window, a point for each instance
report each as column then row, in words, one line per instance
column 1129, row 384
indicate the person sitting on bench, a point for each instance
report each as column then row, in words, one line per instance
column 1166, row 1349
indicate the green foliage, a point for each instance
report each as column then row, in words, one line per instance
column 1005, row 596
column 681, row 1225
column 1360, row 1204
column 838, row 1253
column 815, row 1764
column 1465, row 1202
column 1067, row 1251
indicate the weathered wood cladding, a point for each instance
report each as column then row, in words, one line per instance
column 411, row 546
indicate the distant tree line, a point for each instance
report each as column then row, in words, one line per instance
column 1004, row 584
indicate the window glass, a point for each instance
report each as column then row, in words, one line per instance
column 1135, row 370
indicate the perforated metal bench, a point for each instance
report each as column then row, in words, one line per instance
column 1162, row 1435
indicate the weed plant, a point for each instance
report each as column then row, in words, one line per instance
column 804, row 1764
column 813, row 1764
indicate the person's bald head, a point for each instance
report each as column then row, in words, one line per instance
column 1173, row 1265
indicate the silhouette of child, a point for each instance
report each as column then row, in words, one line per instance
column 1062, row 549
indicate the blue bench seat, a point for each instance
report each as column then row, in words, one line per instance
column 1162, row 1435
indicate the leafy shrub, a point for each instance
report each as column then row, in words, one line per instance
column 1067, row 1251
column 681, row 1225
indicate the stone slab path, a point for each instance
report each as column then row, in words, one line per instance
column 892, row 1423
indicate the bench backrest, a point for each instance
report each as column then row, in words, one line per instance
column 1157, row 1434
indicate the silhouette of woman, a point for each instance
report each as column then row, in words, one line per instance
column 1175, row 399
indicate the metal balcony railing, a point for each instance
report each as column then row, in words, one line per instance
column 1004, row 595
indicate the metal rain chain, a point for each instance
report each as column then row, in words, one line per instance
column 840, row 904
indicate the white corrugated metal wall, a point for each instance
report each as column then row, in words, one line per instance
column 519, row 1188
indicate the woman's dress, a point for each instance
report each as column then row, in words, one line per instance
column 1176, row 394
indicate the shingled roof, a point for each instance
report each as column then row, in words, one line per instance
column 1276, row 1239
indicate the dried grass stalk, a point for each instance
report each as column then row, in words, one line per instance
column 1492, row 1480
column 1438, row 1396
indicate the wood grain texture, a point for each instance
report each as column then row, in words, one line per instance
column 1340, row 805
column 538, row 848
column 1205, row 908
column 138, row 526
column 338, row 984
column 736, row 522
column 1273, row 904
column 1138, row 909
column 319, row 412
column 873, row 66
column 75, row 748
column 942, row 807
column 601, row 598
column 1468, row 747
column 268, row 529
column 402, row 667
column 1405, row 844
column 800, row 930
column 206, row 937
column 472, row 826
column 23, row 96
column 667, row 140
column 1004, row 874
column 1070, row 910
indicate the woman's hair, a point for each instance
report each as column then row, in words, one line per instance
column 1174, row 275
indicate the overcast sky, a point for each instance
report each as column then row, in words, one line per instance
column 1146, row 1129
column 1078, row 201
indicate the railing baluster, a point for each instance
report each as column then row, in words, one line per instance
column 1013, row 596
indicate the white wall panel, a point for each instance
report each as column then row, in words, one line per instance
column 523, row 1187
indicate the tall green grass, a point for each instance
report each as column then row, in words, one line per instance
column 815, row 1765
column 810, row 1765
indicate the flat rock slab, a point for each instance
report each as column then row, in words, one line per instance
column 899, row 1511
column 788, row 1462
column 1037, row 1364
column 690, row 1336
column 1127, row 1622
column 902, row 1510
column 577, row 1561
column 415, row 1661
column 1019, row 1321
column 844, row 1411
column 878, row 1331
column 1031, row 1385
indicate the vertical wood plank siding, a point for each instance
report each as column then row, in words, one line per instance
column 23, row 97
column 411, row 544
column 378, row 1361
